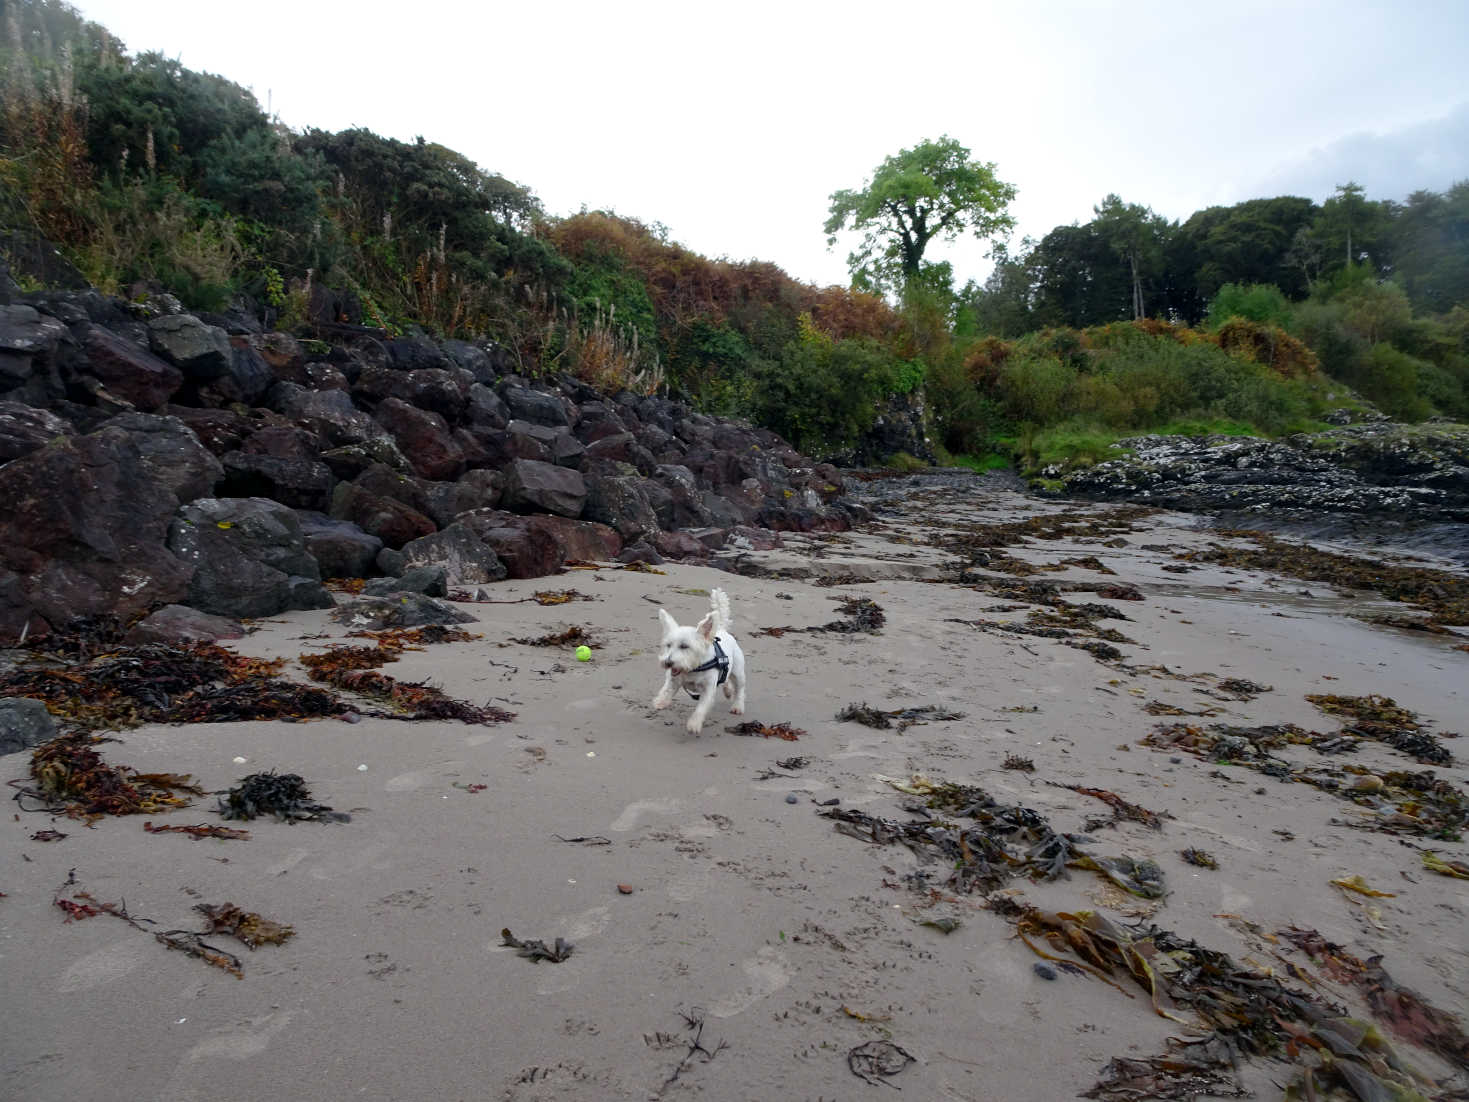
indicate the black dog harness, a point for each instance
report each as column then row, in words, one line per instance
column 719, row 662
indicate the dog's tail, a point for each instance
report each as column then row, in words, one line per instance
column 719, row 606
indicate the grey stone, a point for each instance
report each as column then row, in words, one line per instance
column 173, row 623
column 401, row 610
column 24, row 723
column 200, row 351
column 432, row 581
column 467, row 559
column 531, row 485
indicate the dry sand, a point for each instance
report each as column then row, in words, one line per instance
column 746, row 909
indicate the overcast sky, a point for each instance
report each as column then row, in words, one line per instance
column 732, row 124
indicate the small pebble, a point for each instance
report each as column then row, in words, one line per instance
column 625, row 889
column 1044, row 971
column 791, row 798
column 831, row 802
column 1174, row 760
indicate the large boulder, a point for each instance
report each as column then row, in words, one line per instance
column 82, row 527
column 341, row 549
column 476, row 490
column 200, row 351
column 24, row 428
column 298, row 483
column 128, row 370
column 328, row 413
column 485, row 409
column 532, row 486
column 31, row 348
column 535, row 405
column 176, row 623
column 620, row 503
column 526, row 551
column 170, row 451
column 466, row 558
column 431, row 581
column 384, row 517
column 24, row 723
column 249, row 557
column 423, row 437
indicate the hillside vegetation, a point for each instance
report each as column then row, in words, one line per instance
column 149, row 177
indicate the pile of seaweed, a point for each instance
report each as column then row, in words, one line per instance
column 70, row 778
column 883, row 720
column 1238, row 1011
column 127, row 686
column 354, row 669
column 1395, row 801
column 858, row 614
column 1005, row 840
column 1443, row 595
column 1381, row 719
column 284, row 796
column 1072, row 624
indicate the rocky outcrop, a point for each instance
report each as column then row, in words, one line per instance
column 24, row 723
column 1414, row 473
column 151, row 457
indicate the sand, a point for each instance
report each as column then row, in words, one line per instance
column 791, row 942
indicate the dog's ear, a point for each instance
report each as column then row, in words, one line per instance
column 706, row 627
column 668, row 622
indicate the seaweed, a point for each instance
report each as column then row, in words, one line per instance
column 354, row 669
column 906, row 717
column 1434, row 863
column 779, row 730
column 84, row 905
column 71, row 778
column 282, row 795
column 1443, row 594
column 1240, row 689
column 1015, row 761
column 859, row 614
column 1199, row 857
column 1381, row 719
column 573, row 637
column 875, row 1059
column 537, row 950
column 200, row 831
column 1190, row 1069
column 1121, row 809
column 246, row 926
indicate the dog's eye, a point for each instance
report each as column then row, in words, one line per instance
column 683, row 646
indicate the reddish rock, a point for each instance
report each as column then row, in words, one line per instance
column 424, row 438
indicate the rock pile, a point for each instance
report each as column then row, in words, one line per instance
column 151, row 457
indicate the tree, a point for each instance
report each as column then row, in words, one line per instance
column 1136, row 235
column 932, row 191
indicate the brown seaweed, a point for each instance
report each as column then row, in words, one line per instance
column 281, row 795
column 200, row 831
column 779, row 730
column 536, row 950
column 906, row 717
column 246, row 926
column 71, row 778
column 1381, row 719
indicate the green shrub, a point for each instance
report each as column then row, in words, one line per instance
column 1258, row 302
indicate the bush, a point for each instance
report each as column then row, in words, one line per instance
column 1269, row 345
column 1258, row 302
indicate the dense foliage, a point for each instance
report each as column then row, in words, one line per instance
column 1254, row 317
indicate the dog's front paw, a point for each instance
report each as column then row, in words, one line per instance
column 693, row 726
column 662, row 700
column 736, row 710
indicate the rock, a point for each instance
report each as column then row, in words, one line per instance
column 249, row 558
column 82, row 526
column 351, row 460
column 476, row 490
column 438, row 390
column 526, row 551
column 535, row 406
column 128, row 370
column 639, row 552
column 175, row 623
column 414, row 354
column 200, row 351
column 24, row 723
column 532, row 485
column 170, row 451
column 219, row 430
column 459, row 550
column 281, row 352
column 384, row 517
column 578, row 540
column 402, row 610
column 680, row 546
column 328, row 413
column 424, row 438
column 24, row 428
column 621, row 504
column 298, row 483
column 341, row 549
column 472, row 359
column 432, row 581
column 484, row 409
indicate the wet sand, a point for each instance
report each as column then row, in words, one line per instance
column 792, row 942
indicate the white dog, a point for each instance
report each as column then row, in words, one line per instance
column 702, row 659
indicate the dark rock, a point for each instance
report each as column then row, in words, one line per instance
column 26, row 331
column 340, row 548
column 281, row 352
column 476, row 490
column 527, row 552
column 616, row 447
column 24, row 428
column 484, row 409
column 438, row 391
column 460, row 551
column 532, row 485
column 401, row 610
column 384, row 517
column 169, row 451
column 249, row 557
column 200, row 351
column 328, row 413
column 128, row 370
column 680, row 546
column 639, row 552
column 283, row 442
column 475, row 360
column 432, row 581
column 82, row 526
column 621, row 504
column 535, row 406
column 414, row 354
column 383, row 480
column 175, row 623
column 219, row 430
column 424, row 438
column 391, row 561
column 24, row 723
column 351, row 460
column 298, row 483
column 582, row 540
column 504, row 446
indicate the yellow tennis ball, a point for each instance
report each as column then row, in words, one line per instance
column 583, row 654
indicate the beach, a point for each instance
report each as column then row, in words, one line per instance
column 728, row 941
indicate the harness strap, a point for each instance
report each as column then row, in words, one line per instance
column 719, row 662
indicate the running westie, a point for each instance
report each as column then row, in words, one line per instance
column 702, row 659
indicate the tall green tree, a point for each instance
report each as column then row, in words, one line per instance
column 1135, row 234
column 933, row 191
